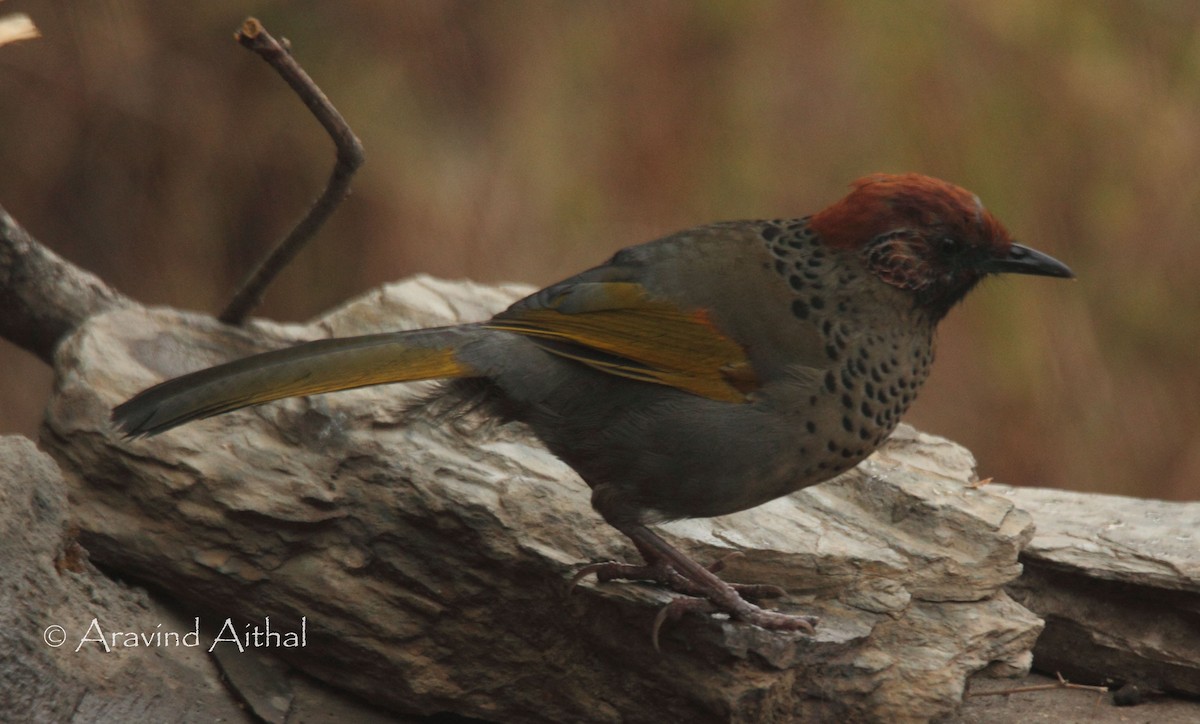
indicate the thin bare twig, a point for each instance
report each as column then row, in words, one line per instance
column 1062, row 683
column 349, row 157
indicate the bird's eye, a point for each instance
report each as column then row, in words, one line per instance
column 950, row 244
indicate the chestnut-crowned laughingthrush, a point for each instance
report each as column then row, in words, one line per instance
column 697, row 375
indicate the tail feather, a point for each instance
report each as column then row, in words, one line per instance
column 323, row 366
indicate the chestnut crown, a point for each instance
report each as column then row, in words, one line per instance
column 927, row 236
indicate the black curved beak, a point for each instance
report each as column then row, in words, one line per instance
column 1023, row 260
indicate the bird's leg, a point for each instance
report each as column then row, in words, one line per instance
column 666, row 564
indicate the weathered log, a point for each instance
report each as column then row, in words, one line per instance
column 1118, row 582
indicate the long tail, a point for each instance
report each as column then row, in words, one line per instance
column 323, row 366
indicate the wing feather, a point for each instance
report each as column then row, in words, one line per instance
column 620, row 329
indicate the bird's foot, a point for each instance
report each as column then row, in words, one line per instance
column 727, row 598
column 707, row 593
column 662, row 573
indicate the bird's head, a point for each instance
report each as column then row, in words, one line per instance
column 927, row 236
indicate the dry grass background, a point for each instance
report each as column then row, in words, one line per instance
column 526, row 140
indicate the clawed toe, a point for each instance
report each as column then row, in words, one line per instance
column 660, row 573
column 586, row 571
column 613, row 571
column 674, row 610
column 725, row 598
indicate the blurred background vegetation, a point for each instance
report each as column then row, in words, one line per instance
column 526, row 140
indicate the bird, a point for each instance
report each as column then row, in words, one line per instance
column 696, row 375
